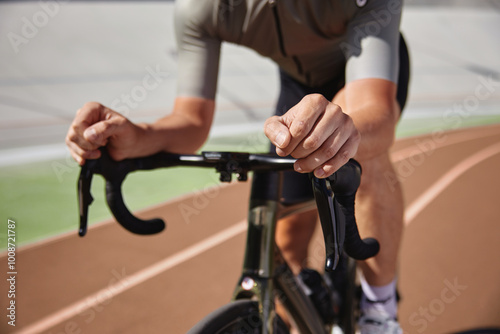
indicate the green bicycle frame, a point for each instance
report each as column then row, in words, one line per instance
column 265, row 274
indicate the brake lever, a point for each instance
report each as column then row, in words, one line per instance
column 332, row 223
column 84, row 195
column 336, row 197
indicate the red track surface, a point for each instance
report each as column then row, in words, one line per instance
column 115, row 282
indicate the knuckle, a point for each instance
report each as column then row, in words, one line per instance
column 297, row 154
column 356, row 136
column 86, row 154
column 299, row 128
column 271, row 120
column 68, row 140
column 330, row 151
column 117, row 155
column 345, row 155
column 281, row 153
column 328, row 168
column 312, row 142
column 71, row 136
column 104, row 126
column 315, row 98
column 92, row 105
column 347, row 120
column 268, row 126
column 335, row 109
column 306, row 167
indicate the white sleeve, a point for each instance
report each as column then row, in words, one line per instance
column 198, row 49
column 372, row 44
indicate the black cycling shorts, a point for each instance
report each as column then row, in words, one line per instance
column 297, row 187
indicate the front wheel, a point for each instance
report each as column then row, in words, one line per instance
column 238, row 317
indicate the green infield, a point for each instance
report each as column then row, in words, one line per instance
column 41, row 197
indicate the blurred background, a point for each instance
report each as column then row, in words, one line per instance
column 57, row 55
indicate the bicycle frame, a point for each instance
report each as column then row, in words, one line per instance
column 266, row 274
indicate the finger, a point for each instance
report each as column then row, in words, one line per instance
column 77, row 158
column 277, row 133
column 75, row 139
column 90, row 113
column 81, row 148
column 341, row 158
column 301, row 119
column 335, row 147
column 327, row 125
column 80, row 155
column 99, row 132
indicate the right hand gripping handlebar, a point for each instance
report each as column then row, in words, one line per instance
column 334, row 195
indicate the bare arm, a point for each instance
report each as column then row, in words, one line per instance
column 184, row 130
column 371, row 103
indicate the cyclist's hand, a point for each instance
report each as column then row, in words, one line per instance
column 95, row 126
column 317, row 133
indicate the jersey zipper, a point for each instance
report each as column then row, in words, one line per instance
column 272, row 3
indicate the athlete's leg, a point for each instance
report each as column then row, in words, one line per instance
column 379, row 212
column 293, row 235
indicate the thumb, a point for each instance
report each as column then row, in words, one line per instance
column 277, row 132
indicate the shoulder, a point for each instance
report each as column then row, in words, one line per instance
column 195, row 13
column 371, row 8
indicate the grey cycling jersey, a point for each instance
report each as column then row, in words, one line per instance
column 313, row 41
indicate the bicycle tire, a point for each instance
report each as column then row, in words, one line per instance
column 238, row 317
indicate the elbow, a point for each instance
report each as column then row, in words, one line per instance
column 376, row 141
column 198, row 139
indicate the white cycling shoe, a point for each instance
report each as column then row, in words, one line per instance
column 376, row 321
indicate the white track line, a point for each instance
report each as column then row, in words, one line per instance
column 440, row 185
column 131, row 281
column 458, row 138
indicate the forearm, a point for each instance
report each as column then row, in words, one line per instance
column 373, row 108
column 376, row 125
column 173, row 134
column 183, row 131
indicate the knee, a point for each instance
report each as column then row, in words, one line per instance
column 296, row 230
